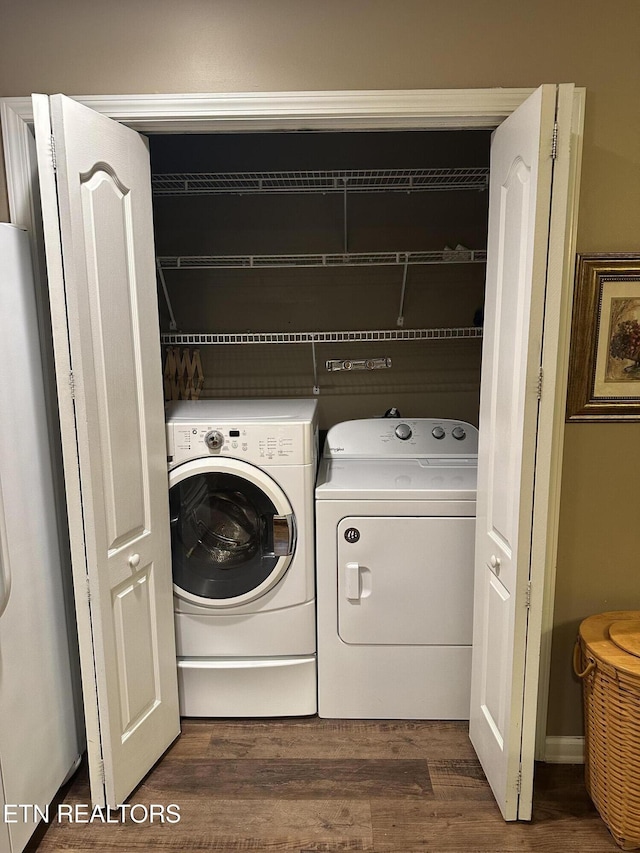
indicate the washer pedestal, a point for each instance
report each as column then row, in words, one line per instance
column 267, row 687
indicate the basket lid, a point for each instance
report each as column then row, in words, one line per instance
column 595, row 632
column 626, row 635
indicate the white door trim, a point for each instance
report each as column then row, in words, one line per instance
column 261, row 111
column 345, row 110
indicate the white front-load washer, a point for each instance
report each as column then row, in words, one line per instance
column 241, row 480
column 395, row 528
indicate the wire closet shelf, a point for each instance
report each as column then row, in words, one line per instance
column 368, row 336
column 337, row 181
column 337, row 259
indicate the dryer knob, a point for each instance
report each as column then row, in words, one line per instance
column 438, row 432
column 403, row 431
column 214, row 439
column 459, row 433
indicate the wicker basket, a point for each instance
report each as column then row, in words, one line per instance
column 607, row 659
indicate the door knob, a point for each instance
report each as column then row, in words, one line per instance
column 134, row 561
column 494, row 562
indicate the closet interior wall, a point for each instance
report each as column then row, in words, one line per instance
column 428, row 378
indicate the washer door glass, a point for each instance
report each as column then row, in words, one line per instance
column 229, row 543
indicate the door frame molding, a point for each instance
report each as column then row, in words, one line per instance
column 249, row 112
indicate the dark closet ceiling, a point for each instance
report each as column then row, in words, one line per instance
column 221, row 152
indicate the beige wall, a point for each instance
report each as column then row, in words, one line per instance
column 255, row 45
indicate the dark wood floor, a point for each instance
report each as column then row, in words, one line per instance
column 332, row 785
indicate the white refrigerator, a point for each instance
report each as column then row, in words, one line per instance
column 40, row 733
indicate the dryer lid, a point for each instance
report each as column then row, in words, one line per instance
column 398, row 479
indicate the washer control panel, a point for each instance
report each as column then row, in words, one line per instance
column 257, row 443
column 388, row 438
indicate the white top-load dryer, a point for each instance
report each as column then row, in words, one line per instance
column 395, row 528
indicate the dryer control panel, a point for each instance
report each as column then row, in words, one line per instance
column 384, row 438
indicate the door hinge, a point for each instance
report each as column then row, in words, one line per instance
column 54, row 159
column 527, row 597
column 554, row 141
column 540, row 377
column 88, row 589
column 519, row 782
column 72, row 385
column 101, row 772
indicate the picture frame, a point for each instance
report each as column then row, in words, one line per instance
column 604, row 359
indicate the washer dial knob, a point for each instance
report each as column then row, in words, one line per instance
column 438, row 432
column 404, row 431
column 214, row 439
column 459, row 433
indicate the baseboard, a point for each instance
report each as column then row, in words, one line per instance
column 564, row 750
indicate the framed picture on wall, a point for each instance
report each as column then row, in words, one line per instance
column 604, row 362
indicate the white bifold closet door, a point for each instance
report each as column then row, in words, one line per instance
column 96, row 199
column 524, row 268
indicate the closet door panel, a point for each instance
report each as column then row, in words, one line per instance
column 511, row 511
column 100, row 259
